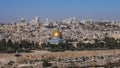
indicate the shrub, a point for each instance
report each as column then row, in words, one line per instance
column 46, row 63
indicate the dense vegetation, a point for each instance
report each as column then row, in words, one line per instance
column 22, row 46
column 58, row 47
column 26, row 46
column 107, row 43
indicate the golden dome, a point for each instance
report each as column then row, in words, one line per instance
column 57, row 34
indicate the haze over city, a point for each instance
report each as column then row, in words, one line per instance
column 59, row 9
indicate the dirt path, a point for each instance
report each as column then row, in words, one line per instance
column 67, row 54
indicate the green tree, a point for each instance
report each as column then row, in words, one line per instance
column 81, row 45
column 9, row 43
column 10, row 46
column 3, row 46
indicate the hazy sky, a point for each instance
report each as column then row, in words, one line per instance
column 59, row 9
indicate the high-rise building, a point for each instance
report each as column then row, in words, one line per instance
column 35, row 21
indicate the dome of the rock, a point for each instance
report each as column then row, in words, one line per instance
column 57, row 34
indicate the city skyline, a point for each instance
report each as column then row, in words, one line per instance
column 59, row 9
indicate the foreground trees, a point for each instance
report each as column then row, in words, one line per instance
column 10, row 47
column 107, row 43
column 27, row 46
column 58, row 47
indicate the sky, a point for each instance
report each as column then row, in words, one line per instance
column 14, row 10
